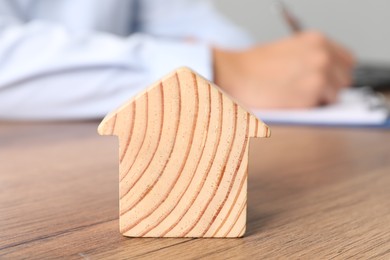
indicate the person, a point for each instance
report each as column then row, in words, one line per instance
column 70, row 59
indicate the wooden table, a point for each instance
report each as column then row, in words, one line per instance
column 313, row 193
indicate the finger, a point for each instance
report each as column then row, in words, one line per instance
column 339, row 76
column 330, row 96
column 333, row 86
column 312, row 89
column 328, row 70
column 341, row 68
column 329, row 90
column 324, row 85
column 342, row 54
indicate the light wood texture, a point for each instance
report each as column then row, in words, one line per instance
column 313, row 193
column 183, row 159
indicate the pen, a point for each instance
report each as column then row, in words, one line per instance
column 375, row 99
column 289, row 18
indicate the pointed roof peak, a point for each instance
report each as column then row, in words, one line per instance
column 183, row 77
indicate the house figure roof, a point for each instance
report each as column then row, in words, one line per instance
column 183, row 157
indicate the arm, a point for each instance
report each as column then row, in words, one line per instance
column 304, row 70
column 48, row 72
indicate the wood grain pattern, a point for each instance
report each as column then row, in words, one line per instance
column 183, row 159
column 313, row 193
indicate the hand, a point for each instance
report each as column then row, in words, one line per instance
column 302, row 71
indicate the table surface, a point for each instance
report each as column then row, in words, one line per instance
column 313, row 192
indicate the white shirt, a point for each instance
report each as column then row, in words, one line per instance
column 78, row 59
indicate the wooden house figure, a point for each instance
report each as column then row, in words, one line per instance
column 183, row 159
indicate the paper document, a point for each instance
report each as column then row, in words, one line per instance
column 355, row 107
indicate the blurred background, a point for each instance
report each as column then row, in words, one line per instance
column 361, row 25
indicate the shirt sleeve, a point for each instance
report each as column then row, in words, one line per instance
column 48, row 72
column 197, row 20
